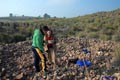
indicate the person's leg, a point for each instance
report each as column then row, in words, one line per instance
column 45, row 61
column 36, row 60
column 49, row 55
column 53, row 56
column 53, row 59
column 42, row 59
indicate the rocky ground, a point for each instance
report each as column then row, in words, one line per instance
column 16, row 60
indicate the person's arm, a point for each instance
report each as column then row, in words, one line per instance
column 45, row 40
column 45, row 44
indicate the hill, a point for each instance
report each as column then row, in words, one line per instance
column 98, row 33
column 101, row 25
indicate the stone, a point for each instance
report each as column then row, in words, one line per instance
column 19, row 76
column 3, row 73
column 117, row 75
column 20, row 67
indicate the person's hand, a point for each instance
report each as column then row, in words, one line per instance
column 44, row 52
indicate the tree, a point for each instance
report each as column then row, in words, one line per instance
column 10, row 15
column 46, row 15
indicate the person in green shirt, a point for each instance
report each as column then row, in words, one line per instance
column 38, row 50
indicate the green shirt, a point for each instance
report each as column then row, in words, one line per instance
column 37, row 40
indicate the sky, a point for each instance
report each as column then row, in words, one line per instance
column 59, row 8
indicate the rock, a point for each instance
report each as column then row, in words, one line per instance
column 3, row 73
column 19, row 76
column 106, row 54
column 14, row 74
column 117, row 75
column 4, row 78
column 97, row 77
column 20, row 67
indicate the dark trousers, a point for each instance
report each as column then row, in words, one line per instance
column 38, row 58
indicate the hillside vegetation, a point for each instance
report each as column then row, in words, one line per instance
column 101, row 25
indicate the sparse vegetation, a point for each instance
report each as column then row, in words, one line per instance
column 101, row 25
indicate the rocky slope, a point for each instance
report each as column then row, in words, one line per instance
column 16, row 60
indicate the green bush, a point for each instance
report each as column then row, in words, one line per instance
column 18, row 37
column 104, row 37
column 109, row 32
column 29, row 32
column 93, row 35
column 91, row 29
column 5, row 38
column 81, row 35
column 116, row 37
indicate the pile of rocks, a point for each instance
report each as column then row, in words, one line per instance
column 17, row 60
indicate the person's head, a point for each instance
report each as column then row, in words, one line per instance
column 49, row 33
column 45, row 28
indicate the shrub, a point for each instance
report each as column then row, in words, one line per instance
column 91, row 29
column 18, row 37
column 116, row 37
column 5, row 38
column 80, row 35
column 105, row 37
column 93, row 35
